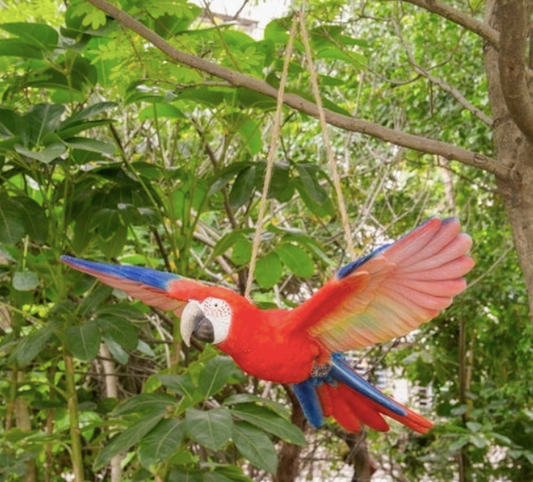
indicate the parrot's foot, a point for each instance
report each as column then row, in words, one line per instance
column 321, row 371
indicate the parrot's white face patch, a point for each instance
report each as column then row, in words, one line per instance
column 219, row 313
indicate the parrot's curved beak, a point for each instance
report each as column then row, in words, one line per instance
column 194, row 322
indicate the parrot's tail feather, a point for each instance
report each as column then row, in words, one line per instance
column 352, row 401
column 308, row 398
column 350, row 408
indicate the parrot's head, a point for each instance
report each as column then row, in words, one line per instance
column 215, row 318
column 209, row 320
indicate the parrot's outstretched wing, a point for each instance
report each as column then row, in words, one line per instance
column 155, row 288
column 390, row 292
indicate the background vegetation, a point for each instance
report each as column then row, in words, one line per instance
column 111, row 151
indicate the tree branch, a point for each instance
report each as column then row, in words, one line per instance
column 418, row 143
column 514, row 25
column 460, row 18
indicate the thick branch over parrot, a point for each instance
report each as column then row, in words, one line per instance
column 377, row 298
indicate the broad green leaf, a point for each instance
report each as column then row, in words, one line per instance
column 228, row 240
column 11, row 225
column 127, row 439
column 33, row 217
column 119, row 330
column 268, row 270
column 42, row 119
column 107, row 222
column 242, row 251
column 251, row 134
column 46, row 155
column 211, row 428
column 91, row 145
column 25, row 280
column 320, row 210
column 243, row 187
column 15, row 48
column 87, row 113
column 40, row 35
column 159, row 110
column 185, row 474
column 269, row 421
column 116, row 350
column 276, row 31
column 161, row 442
column 255, row 446
column 95, row 299
column 296, row 259
column 181, row 384
column 353, row 58
column 114, row 246
column 146, row 403
column 277, row 407
column 308, row 176
column 30, row 346
column 83, row 341
column 215, row 375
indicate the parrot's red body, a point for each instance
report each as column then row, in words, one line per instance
column 379, row 297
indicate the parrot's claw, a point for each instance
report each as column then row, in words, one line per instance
column 321, row 371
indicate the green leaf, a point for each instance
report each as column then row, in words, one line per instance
column 277, row 407
column 119, row 330
column 114, row 246
column 353, row 58
column 40, row 35
column 268, row 270
column 146, row 403
column 308, row 176
column 251, row 134
column 11, row 225
column 25, row 281
column 296, row 259
column 269, row 421
column 243, row 187
column 87, row 113
column 211, row 428
column 83, row 341
column 30, row 346
column 159, row 110
column 42, row 119
column 116, row 350
column 15, row 48
column 215, row 375
column 46, row 155
column 91, row 145
column 161, row 442
column 127, row 439
column 255, row 446
column 181, row 384
column 242, row 251
column 33, row 217
column 228, row 240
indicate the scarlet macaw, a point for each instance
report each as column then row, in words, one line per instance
column 381, row 296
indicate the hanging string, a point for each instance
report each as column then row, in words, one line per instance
column 327, row 142
column 270, row 159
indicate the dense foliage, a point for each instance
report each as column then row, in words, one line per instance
column 110, row 151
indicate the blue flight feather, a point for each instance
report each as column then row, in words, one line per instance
column 344, row 373
column 350, row 268
column 145, row 276
column 308, row 398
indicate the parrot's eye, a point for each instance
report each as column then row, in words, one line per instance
column 219, row 313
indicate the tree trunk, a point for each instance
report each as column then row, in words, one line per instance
column 289, row 455
column 514, row 151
